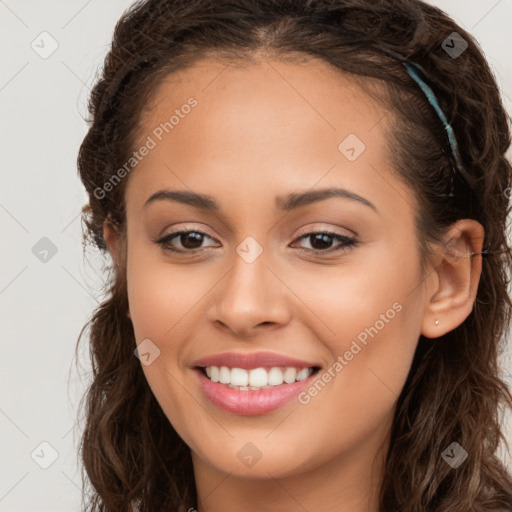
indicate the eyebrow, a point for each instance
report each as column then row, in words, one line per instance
column 285, row 203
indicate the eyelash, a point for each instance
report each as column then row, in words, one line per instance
column 347, row 242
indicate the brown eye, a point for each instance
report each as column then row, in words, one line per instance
column 321, row 241
column 190, row 240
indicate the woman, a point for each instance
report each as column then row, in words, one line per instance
column 305, row 204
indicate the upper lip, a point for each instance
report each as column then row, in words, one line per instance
column 252, row 360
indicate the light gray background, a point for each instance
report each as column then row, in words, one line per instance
column 44, row 305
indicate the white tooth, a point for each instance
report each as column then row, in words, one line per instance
column 258, row 377
column 239, row 377
column 224, row 375
column 289, row 375
column 275, row 376
column 303, row 373
column 214, row 370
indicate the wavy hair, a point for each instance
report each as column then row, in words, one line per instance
column 132, row 456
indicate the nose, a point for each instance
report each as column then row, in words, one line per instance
column 250, row 297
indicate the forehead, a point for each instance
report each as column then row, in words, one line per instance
column 268, row 125
column 309, row 90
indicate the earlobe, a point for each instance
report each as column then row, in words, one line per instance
column 451, row 296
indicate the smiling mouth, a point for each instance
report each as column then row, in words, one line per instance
column 256, row 378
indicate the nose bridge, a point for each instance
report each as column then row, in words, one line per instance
column 250, row 294
column 247, row 286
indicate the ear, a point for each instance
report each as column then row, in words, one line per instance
column 112, row 240
column 115, row 244
column 453, row 283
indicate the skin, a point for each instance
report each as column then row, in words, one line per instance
column 260, row 131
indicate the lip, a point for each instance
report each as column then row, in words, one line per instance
column 251, row 402
column 252, row 360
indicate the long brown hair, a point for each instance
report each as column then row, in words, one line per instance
column 133, row 458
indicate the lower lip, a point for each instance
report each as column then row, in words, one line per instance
column 251, row 402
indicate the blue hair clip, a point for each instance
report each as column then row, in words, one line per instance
column 414, row 71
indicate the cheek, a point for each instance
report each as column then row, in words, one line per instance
column 161, row 296
column 378, row 291
column 370, row 322
column 356, row 394
column 163, row 302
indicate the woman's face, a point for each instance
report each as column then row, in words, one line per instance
column 248, row 282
